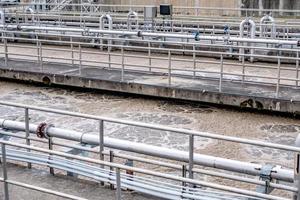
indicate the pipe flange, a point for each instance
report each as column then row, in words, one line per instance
column 42, row 130
column 19, row 27
column 139, row 33
column 2, row 124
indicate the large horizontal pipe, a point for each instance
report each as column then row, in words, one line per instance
column 150, row 34
column 204, row 160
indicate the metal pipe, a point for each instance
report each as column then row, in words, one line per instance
column 199, row 159
column 4, row 172
column 102, row 27
column 263, row 23
column 148, row 172
column 136, row 183
column 149, row 34
column 31, row 12
column 251, row 24
column 165, row 164
column 132, row 18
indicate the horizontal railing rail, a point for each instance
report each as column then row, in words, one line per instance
column 190, row 133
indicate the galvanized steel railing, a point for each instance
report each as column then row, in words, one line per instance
column 74, row 53
column 280, row 173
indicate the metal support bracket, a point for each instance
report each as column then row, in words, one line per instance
column 79, row 152
column 265, row 175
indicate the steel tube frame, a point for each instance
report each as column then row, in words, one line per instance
column 275, row 78
column 148, row 172
column 164, row 164
column 4, row 169
column 149, row 34
column 209, row 161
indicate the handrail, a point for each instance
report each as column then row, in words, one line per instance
column 139, row 170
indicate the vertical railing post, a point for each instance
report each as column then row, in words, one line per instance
column 72, row 51
column 278, row 77
column 101, row 143
column 118, row 184
column 122, row 74
column 111, row 159
column 5, row 49
column 37, row 49
column 109, row 57
column 80, row 59
column 183, row 174
column 4, row 171
column 149, row 56
column 297, row 69
column 243, row 70
column 27, row 132
column 41, row 56
column 194, row 61
column 191, row 156
column 169, row 68
column 297, row 170
column 221, row 73
column 50, row 146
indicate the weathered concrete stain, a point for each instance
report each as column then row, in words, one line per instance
column 174, row 92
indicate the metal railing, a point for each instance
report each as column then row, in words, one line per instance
column 156, row 60
column 192, row 158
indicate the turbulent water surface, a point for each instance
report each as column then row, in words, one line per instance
column 175, row 114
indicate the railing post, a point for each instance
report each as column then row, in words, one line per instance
column 183, row 174
column 191, row 156
column 4, row 171
column 5, row 50
column 149, row 56
column 72, row 51
column 122, row 75
column 297, row 69
column 41, row 56
column 109, row 58
column 80, row 59
column 278, row 77
column 111, row 159
column 50, row 146
column 243, row 71
column 37, row 49
column 221, row 73
column 118, row 184
column 297, row 170
column 169, row 67
column 101, row 143
column 194, row 61
column 27, row 132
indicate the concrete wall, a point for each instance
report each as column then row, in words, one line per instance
column 267, row 4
